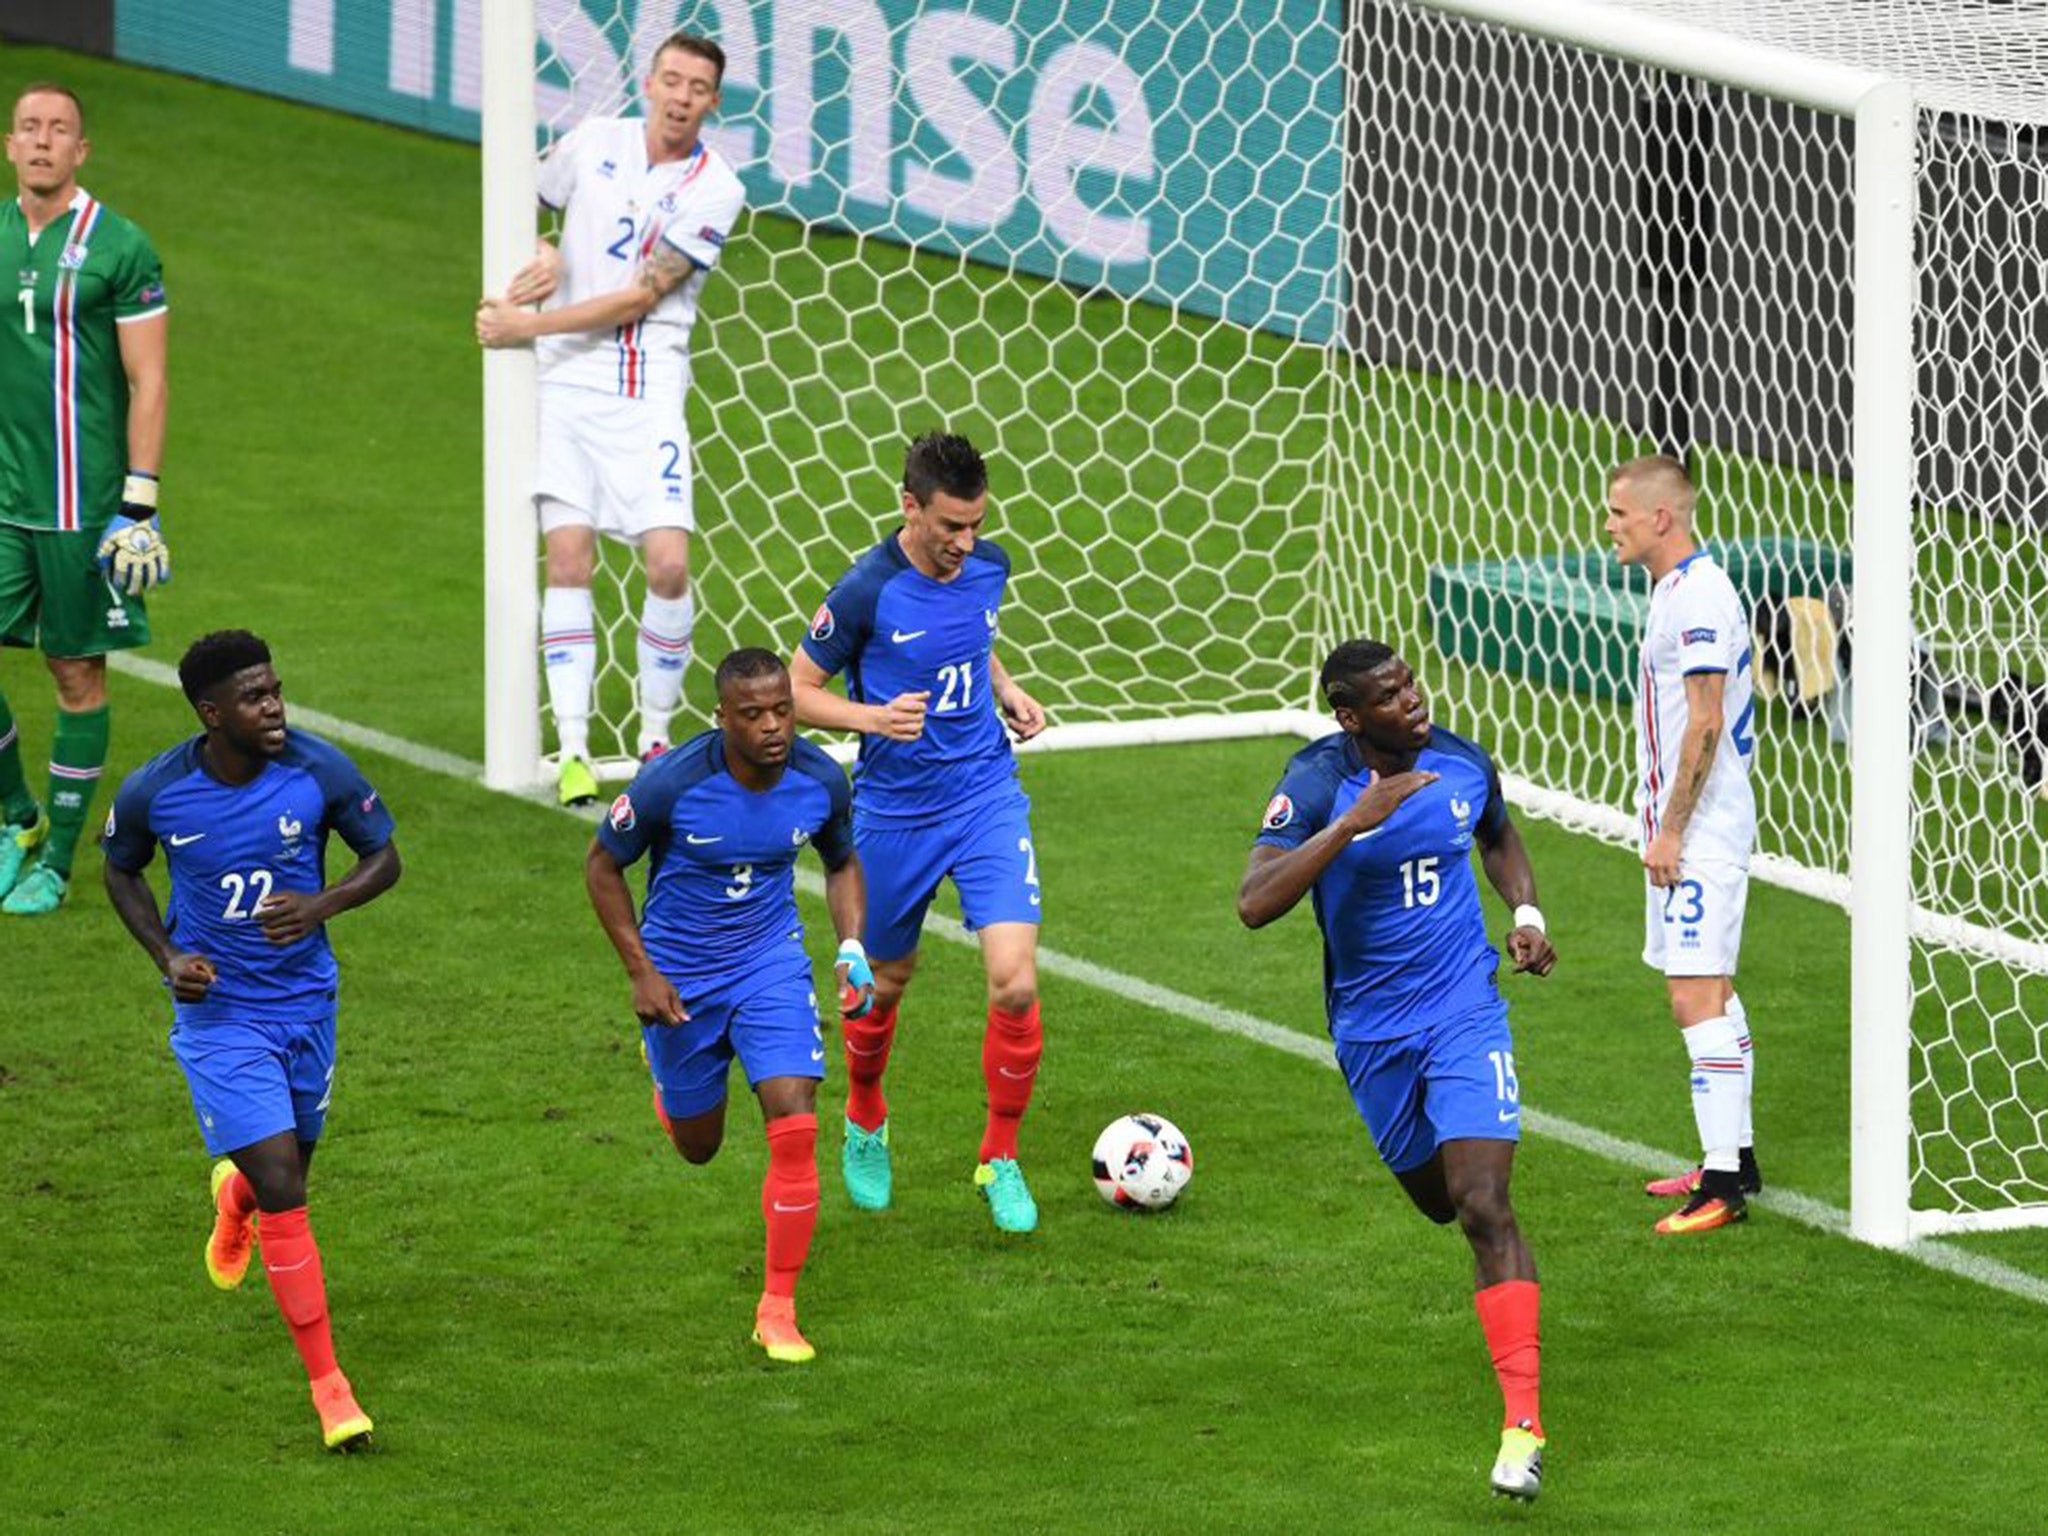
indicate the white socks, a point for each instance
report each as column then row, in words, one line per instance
column 1720, row 1101
column 664, row 652
column 568, row 647
column 1739, row 1017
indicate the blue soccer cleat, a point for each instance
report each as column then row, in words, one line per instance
column 865, row 1164
column 1002, row 1185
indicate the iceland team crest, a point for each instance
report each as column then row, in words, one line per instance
column 823, row 624
column 1279, row 812
column 621, row 814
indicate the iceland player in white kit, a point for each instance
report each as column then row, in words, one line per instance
column 1696, row 818
column 646, row 206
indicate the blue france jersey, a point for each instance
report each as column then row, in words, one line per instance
column 721, row 886
column 1404, row 941
column 892, row 629
column 228, row 847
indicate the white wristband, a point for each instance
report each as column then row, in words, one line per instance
column 139, row 489
column 1527, row 916
column 849, row 951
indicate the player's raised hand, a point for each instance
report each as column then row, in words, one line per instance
column 288, row 916
column 656, row 1001
column 538, row 279
column 190, row 976
column 1024, row 715
column 501, row 323
column 1531, row 951
column 1382, row 798
column 902, row 718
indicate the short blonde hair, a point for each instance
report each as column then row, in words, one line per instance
column 1663, row 477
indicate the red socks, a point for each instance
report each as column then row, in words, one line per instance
column 867, row 1043
column 291, row 1260
column 1009, row 1064
column 1507, row 1315
column 789, row 1199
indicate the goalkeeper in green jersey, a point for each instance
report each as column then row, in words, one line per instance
column 82, row 403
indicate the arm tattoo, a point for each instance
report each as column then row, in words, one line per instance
column 1685, row 798
column 663, row 270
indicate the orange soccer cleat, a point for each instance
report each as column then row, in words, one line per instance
column 234, row 1234
column 775, row 1330
column 1704, row 1212
column 343, row 1424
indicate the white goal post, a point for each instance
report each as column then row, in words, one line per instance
column 1291, row 322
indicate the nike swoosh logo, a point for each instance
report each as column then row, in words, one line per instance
column 792, row 1210
column 1510, row 1114
column 1362, row 836
column 691, row 837
column 1021, row 1077
column 178, row 842
column 900, row 636
column 817, row 1055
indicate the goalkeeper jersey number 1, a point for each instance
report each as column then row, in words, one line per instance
column 63, row 390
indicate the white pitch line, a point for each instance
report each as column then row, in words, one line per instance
column 1932, row 1253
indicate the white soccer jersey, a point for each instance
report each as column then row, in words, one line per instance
column 1697, row 624
column 614, row 207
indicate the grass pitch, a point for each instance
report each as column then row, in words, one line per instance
column 546, row 1311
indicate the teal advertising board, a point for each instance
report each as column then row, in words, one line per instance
column 1186, row 152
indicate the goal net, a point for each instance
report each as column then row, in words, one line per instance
column 1567, row 252
column 1285, row 323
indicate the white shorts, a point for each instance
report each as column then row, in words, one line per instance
column 1694, row 928
column 618, row 465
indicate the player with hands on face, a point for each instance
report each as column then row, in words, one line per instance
column 1377, row 824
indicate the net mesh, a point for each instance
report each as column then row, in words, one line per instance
column 1458, row 273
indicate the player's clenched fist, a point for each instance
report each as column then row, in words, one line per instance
column 902, row 718
column 190, row 976
column 1383, row 798
column 503, row 324
column 856, row 980
column 1530, row 949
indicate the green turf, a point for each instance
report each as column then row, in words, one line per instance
column 546, row 1310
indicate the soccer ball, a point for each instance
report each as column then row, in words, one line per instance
column 1142, row 1162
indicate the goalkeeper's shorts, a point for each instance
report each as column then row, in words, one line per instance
column 54, row 596
column 618, row 465
column 1694, row 928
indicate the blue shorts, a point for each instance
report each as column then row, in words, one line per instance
column 770, row 1021
column 986, row 851
column 253, row 1078
column 1450, row 1081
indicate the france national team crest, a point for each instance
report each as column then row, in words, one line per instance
column 823, row 624
column 1461, row 811
column 1279, row 812
column 288, row 829
column 621, row 814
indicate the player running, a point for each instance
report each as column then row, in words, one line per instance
column 646, row 206
column 82, row 409
column 1697, row 820
column 913, row 626
column 244, row 812
column 1378, row 822
column 717, row 958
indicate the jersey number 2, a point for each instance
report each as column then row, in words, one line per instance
column 622, row 246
